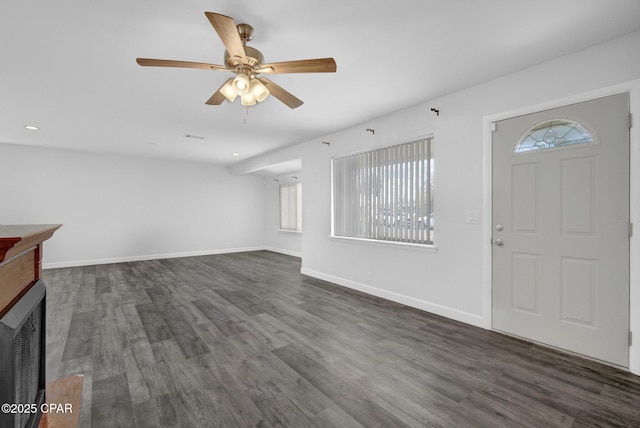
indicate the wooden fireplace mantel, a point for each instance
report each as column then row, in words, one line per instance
column 20, row 260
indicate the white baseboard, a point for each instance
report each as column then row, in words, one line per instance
column 285, row 252
column 434, row 308
column 92, row 262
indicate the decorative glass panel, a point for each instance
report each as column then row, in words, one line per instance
column 552, row 134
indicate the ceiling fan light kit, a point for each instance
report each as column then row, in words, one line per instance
column 247, row 63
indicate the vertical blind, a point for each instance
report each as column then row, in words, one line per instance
column 385, row 194
column 291, row 206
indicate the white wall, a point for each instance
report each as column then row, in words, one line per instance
column 454, row 281
column 116, row 208
column 281, row 241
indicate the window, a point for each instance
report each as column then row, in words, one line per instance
column 385, row 194
column 291, row 207
column 552, row 134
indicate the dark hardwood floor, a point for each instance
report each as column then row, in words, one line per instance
column 244, row 339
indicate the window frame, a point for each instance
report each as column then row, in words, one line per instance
column 389, row 168
column 294, row 207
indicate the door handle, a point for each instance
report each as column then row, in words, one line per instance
column 499, row 242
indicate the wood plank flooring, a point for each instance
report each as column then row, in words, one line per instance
column 243, row 340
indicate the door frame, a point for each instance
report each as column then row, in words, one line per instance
column 633, row 88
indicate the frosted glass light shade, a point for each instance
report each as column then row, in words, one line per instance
column 229, row 91
column 248, row 99
column 241, row 84
column 259, row 91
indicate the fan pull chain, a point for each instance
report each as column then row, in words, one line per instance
column 244, row 117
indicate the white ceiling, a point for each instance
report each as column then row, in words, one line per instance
column 69, row 66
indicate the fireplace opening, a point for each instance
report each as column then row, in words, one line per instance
column 22, row 360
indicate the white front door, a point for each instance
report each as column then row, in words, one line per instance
column 561, row 228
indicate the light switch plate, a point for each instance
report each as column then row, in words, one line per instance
column 473, row 217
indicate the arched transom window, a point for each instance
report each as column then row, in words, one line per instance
column 553, row 133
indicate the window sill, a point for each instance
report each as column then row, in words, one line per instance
column 429, row 248
column 289, row 231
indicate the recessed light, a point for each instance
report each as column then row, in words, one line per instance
column 235, row 154
column 31, row 127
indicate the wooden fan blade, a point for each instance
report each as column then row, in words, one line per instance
column 225, row 26
column 319, row 65
column 281, row 94
column 181, row 64
column 217, row 98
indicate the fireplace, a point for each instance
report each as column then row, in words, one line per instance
column 22, row 360
column 22, row 324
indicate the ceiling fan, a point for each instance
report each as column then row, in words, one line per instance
column 246, row 63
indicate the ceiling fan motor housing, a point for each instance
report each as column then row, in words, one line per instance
column 253, row 59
